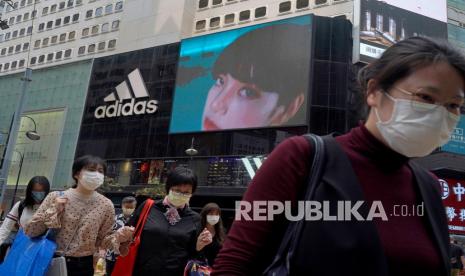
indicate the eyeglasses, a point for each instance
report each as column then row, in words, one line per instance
column 423, row 101
column 181, row 194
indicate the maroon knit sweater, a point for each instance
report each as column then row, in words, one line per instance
column 384, row 175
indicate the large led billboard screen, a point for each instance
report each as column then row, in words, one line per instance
column 251, row 77
column 383, row 23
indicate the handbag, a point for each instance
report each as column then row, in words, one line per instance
column 197, row 268
column 280, row 265
column 29, row 256
column 124, row 266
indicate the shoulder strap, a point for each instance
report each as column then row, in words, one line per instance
column 20, row 210
column 291, row 236
column 143, row 217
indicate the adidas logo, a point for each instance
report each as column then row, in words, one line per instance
column 123, row 94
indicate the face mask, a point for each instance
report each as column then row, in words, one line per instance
column 212, row 219
column 413, row 133
column 91, row 180
column 128, row 211
column 178, row 199
column 38, row 196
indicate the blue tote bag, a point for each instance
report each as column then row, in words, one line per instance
column 29, row 256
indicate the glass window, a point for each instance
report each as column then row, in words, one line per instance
column 203, row 4
column 109, row 8
column 26, row 46
column 6, row 66
column 317, row 2
column 75, row 17
column 29, row 2
column 15, row 5
column 23, row 3
column 26, row 16
column 58, row 22
column 33, row 14
column 200, row 25
column 101, row 46
column 99, row 11
column 49, row 24
column 81, row 50
column 78, row 2
column 22, row 31
column 89, row 13
column 70, row 3
column 260, row 12
column 115, row 24
column 229, row 18
column 72, row 35
column 62, row 37
column 53, row 8
column 54, row 39
column 214, row 22
column 41, row 26
column 14, row 64
column 244, row 15
column 45, row 41
column 95, row 29
column 50, row 57
column 15, row 34
column 45, row 11
column 2, row 36
column 41, row 58
column 285, row 6
column 11, row 21
column 62, row 5
column 11, row 49
column 68, row 53
column 3, row 52
column 217, row 2
column 18, row 18
column 112, row 43
column 303, row 4
column 33, row 60
column 29, row 30
column 119, row 6
column 7, row 36
column 59, row 55
column 66, row 20
column 85, row 32
column 105, row 27
column 21, row 63
column 37, row 43
column 1, row 67
column 18, row 48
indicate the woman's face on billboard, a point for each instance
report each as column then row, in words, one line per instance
column 233, row 104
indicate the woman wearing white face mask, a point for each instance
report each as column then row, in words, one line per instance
column 212, row 237
column 83, row 217
column 169, row 236
column 415, row 92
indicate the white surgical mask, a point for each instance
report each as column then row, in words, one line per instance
column 178, row 199
column 128, row 211
column 91, row 180
column 213, row 219
column 413, row 133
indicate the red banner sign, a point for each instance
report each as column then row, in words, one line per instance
column 453, row 196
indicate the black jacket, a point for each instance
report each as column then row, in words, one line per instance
column 165, row 249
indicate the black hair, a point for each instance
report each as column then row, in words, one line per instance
column 219, row 228
column 275, row 58
column 29, row 200
column 129, row 199
column 85, row 161
column 406, row 56
column 181, row 175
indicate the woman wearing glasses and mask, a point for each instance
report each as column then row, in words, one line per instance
column 169, row 236
column 415, row 95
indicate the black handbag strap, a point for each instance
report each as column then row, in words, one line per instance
column 292, row 234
